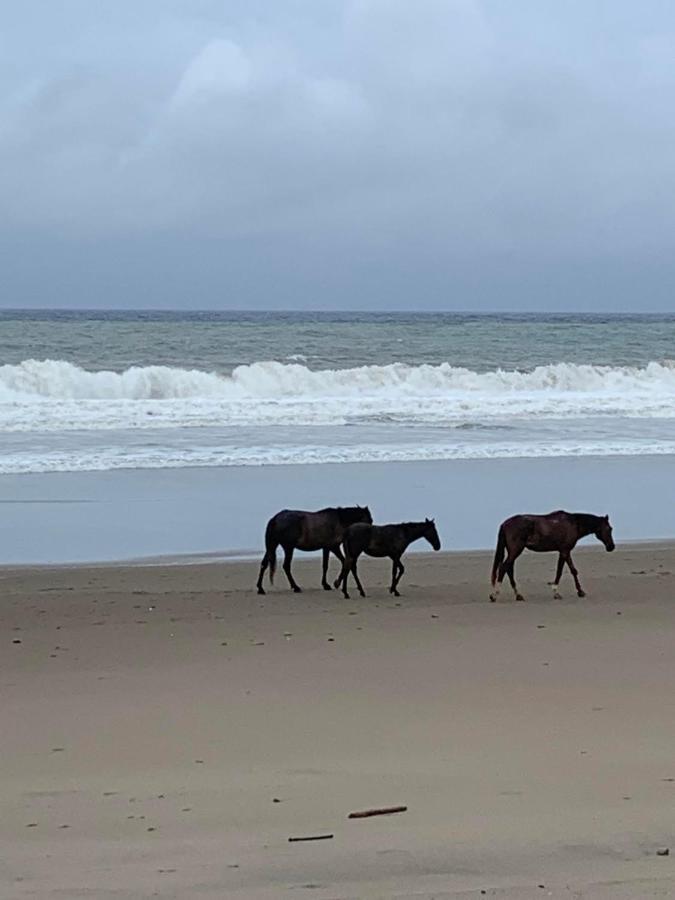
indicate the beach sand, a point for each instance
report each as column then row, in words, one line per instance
column 165, row 731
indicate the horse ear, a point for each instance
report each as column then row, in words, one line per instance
column 607, row 518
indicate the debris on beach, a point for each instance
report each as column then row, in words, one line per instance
column 664, row 851
column 383, row 811
column 311, row 837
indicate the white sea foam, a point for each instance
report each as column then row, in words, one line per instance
column 54, row 395
column 107, row 458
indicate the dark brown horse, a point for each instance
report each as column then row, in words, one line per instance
column 383, row 540
column 296, row 529
column 558, row 531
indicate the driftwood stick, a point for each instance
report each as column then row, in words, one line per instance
column 311, row 837
column 384, row 811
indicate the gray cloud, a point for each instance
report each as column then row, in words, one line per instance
column 477, row 153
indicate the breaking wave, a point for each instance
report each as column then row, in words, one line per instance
column 57, row 395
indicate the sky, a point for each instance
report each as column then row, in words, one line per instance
column 316, row 154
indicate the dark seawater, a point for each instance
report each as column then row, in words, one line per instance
column 220, row 341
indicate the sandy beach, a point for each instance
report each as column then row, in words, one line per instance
column 166, row 731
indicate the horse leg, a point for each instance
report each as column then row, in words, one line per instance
column 263, row 567
column 324, row 583
column 344, row 576
column 575, row 574
column 288, row 559
column 506, row 565
column 512, row 579
column 401, row 570
column 394, row 570
column 508, row 568
column 356, row 577
column 558, row 575
column 397, row 572
column 340, row 555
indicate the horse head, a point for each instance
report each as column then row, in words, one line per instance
column 604, row 533
column 431, row 534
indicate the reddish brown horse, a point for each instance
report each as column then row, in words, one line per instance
column 297, row 529
column 558, row 532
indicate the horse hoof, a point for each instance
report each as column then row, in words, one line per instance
column 297, row 590
column 326, row 587
column 557, row 595
column 396, row 594
column 363, row 593
column 520, row 598
column 581, row 593
column 261, row 591
column 346, row 596
column 336, row 583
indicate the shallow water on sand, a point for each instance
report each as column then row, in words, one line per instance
column 76, row 517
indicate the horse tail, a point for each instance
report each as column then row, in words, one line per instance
column 499, row 553
column 271, row 549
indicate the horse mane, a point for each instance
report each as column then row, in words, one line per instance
column 587, row 521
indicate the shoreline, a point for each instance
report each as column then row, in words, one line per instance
column 302, row 559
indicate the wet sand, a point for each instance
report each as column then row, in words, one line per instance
column 165, row 731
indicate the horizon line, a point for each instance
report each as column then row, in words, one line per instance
column 266, row 311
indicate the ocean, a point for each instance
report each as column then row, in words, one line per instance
column 100, row 391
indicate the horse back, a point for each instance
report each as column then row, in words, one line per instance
column 374, row 540
column 552, row 531
column 308, row 530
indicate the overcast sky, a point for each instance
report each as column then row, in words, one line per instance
column 450, row 154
